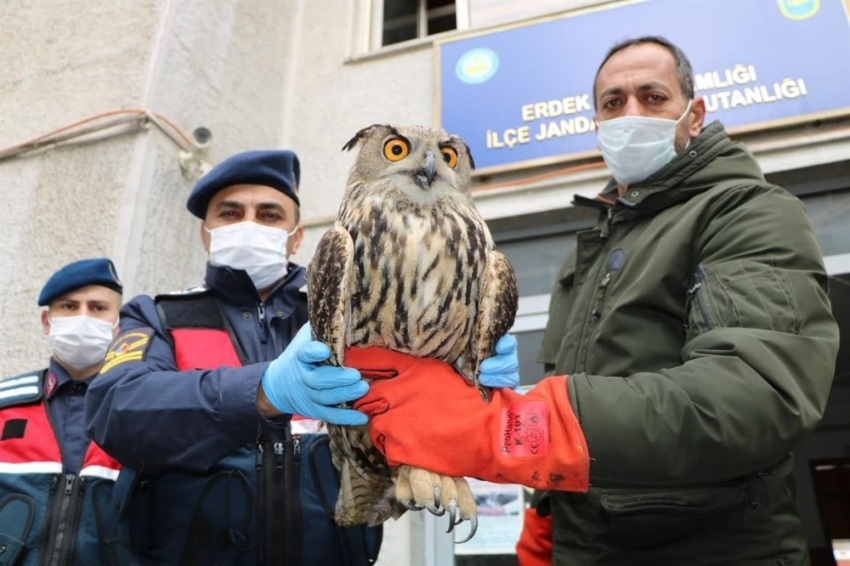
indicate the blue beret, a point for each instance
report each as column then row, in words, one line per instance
column 278, row 169
column 97, row 271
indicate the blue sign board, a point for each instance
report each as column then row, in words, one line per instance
column 524, row 95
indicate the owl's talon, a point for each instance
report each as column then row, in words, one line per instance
column 473, row 526
column 412, row 506
column 453, row 516
column 436, row 510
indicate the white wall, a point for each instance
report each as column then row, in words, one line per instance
column 222, row 65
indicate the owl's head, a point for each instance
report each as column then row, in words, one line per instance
column 424, row 163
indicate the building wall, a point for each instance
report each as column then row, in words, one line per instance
column 221, row 65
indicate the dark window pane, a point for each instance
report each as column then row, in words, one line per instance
column 537, row 261
column 441, row 24
column 398, row 8
column 402, row 33
column 400, row 21
column 829, row 213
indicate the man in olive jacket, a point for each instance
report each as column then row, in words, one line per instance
column 690, row 346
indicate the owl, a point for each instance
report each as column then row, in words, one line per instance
column 409, row 265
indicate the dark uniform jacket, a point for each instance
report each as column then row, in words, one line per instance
column 696, row 329
column 56, row 504
column 194, row 444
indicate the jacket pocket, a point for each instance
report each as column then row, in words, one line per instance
column 219, row 528
column 675, row 502
column 104, row 508
column 757, row 295
column 741, row 294
column 16, row 517
column 132, row 495
column 10, row 549
column 655, row 517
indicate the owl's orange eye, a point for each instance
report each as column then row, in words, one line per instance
column 449, row 155
column 396, row 149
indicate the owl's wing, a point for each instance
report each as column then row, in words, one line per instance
column 365, row 478
column 327, row 291
column 497, row 306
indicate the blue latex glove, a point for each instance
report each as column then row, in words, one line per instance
column 501, row 370
column 294, row 384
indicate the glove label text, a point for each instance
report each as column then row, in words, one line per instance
column 525, row 429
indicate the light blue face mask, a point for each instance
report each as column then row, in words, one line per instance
column 635, row 147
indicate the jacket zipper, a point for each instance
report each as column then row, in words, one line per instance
column 261, row 320
column 280, row 504
column 702, row 305
column 277, row 521
column 58, row 547
column 600, row 298
column 596, row 302
column 265, row 473
column 606, row 228
column 63, row 519
column 292, row 512
column 47, row 538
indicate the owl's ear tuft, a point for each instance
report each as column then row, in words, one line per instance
column 359, row 137
column 469, row 154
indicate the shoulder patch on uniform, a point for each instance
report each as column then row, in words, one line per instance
column 21, row 388
column 130, row 346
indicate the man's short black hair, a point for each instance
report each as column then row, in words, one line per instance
column 683, row 65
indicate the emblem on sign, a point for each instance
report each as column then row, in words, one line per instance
column 798, row 9
column 477, row 66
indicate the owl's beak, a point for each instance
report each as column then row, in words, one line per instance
column 425, row 176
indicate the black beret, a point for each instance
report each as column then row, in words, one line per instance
column 96, row 271
column 276, row 168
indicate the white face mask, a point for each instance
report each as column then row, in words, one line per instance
column 635, row 147
column 259, row 250
column 80, row 341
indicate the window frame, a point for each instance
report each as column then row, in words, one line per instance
column 376, row 24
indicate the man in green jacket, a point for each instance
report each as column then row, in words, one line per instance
column 690, row 346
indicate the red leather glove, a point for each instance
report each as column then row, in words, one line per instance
column 430, row 418
column 534, row 547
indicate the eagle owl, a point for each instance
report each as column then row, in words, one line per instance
column 409, row 265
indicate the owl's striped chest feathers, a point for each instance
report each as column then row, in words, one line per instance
column 415, row 279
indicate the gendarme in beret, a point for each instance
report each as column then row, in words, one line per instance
column 95, row 271
column 276, row 168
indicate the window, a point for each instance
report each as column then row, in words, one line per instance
column 827, row 211
column 391, row 22
column 403, row 20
